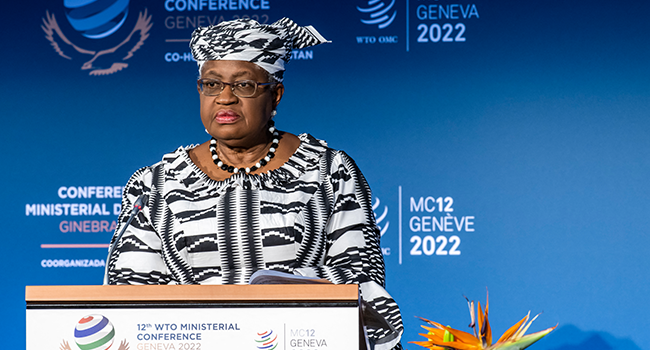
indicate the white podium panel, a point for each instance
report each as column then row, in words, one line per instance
column 285, row 328
column 115, row 321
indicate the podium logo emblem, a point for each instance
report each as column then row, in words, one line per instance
column 267, row 340
column 94, row 332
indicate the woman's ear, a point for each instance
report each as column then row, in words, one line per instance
column 277, row 94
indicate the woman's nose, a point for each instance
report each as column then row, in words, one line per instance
column 226, row 96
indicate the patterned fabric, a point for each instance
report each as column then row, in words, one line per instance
column 268, row 46
column 311, row 217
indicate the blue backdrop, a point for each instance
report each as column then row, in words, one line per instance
column 506, row 143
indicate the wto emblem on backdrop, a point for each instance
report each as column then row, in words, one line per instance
column 378, row 13
column 382, row 222
column 97, row 37
column 377, row 16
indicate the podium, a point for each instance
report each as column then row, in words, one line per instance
column 194, row 317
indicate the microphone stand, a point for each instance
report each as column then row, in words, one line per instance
column 137, row 207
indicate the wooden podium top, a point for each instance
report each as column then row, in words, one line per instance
column 190, row 293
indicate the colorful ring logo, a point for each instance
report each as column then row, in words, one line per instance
column 267, row 340
column 94, row 332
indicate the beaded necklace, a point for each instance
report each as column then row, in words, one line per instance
column 262, row 162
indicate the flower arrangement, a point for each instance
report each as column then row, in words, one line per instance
column 447, row 338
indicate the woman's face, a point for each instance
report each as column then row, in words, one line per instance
column 238, row 121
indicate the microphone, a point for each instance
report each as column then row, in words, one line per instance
column 137, row 207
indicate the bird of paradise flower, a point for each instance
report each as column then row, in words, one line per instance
column 447, row 338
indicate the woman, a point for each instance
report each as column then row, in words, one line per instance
column 252, row 198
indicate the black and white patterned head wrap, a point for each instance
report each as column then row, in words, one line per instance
column 267, row 45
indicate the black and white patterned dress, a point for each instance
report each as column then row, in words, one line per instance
column 312, row 217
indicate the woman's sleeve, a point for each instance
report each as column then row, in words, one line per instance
column 353, row 251
column 137, row 258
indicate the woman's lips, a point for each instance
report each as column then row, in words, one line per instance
column 226, row 117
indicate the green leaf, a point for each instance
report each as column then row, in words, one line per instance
column 525, row 341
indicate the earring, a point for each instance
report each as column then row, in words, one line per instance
column 274, row 113
column 207, row 132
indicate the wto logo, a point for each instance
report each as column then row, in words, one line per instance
column 379, row 13
column 267, row 340
column 97, row 20
column 381, row 217
column 381, row 224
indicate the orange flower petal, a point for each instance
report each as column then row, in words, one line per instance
column 460, row 335
column 511, row 331
column 433, row 336
column 448, row 345
column 520, row 333
column 428, row 345
column 431, row 339
column 431, row 322
column 461, row 346
column 479, row 324
column 483, row 326
column 488, row 335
